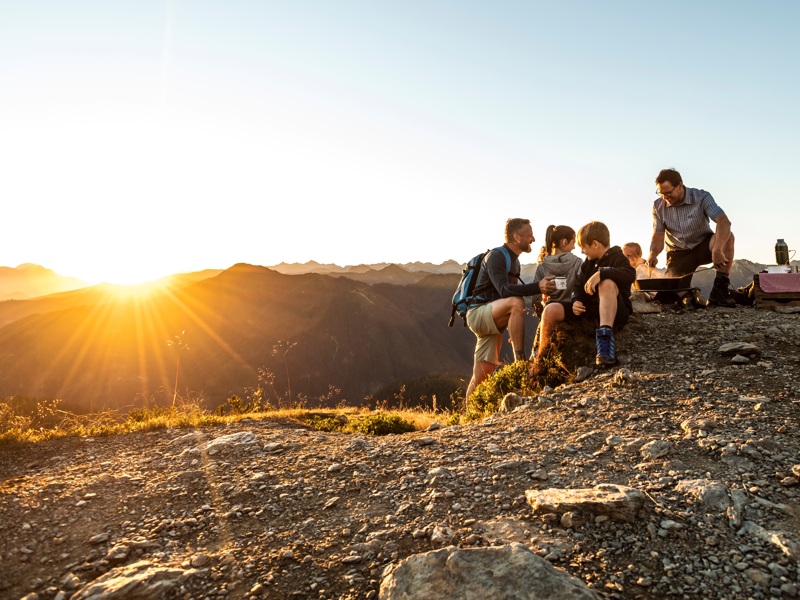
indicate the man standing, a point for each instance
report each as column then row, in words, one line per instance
column 499, row 301
column 681, row 215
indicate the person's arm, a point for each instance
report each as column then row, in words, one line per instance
column 496, row 266
column 617, row 269
column 620, row 272
column 546, row 285
column 656, row 246
column 721, row 237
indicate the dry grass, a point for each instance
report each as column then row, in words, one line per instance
column 43, row 420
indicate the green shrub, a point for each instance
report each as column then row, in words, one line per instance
column 381, row 423
column 573, row 345
column 325, row 423
column 453, row 419
column 486, row 398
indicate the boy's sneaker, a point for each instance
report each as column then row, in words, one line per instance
column 721, row 294
column 604, row 338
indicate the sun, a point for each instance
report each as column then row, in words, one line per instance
column 118, row 274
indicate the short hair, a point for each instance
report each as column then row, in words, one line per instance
column 513, row 226
column 633, row 246
column 670, row 176
column 594, row 232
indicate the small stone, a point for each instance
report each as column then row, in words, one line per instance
column 201, row 560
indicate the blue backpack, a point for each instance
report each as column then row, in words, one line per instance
column 463, row 297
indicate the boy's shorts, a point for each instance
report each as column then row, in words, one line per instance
column 593, row 312
column 681, row 262
column 490, row 340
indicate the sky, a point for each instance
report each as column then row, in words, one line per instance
column 140, row 139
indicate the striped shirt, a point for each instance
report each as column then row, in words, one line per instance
column 686, row 225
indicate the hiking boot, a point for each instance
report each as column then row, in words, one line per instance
column 604, row 338
column 721, row 294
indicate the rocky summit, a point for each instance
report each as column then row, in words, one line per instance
column 674, row 475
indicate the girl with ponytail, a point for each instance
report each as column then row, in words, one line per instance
column 556, row 258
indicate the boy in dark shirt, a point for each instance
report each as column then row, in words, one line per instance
column 601, row 293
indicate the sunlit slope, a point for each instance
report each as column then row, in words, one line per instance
column 110, row 350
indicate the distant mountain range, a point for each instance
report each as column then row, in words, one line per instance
column 102, row 346
column 359, row 329
column 29, row 281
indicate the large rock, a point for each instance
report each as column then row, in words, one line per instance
column 712, row 494
column 500, row 573
column 140, row 580
column 614, row 501
column 743, row 348
column 224, row 442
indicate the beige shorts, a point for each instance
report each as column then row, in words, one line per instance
column 490, row 340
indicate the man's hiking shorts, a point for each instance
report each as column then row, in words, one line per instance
column 480, row 321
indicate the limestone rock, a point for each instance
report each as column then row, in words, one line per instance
column 225, row 442
column 742, row 348
column 614, row 501
column 712, row 494
column 140, row 580
column 501, row 573
column 510, row 402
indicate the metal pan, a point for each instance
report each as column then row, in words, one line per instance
column 663, row 284
column 667, row 284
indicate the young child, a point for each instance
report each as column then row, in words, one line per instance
column 556, row 258
column 600, row 293
column 633, row 252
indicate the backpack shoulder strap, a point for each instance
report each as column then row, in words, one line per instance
column 507, row 254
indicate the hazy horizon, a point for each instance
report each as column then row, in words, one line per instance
column 523, row 262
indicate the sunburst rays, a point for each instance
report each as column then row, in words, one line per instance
column 118, row 343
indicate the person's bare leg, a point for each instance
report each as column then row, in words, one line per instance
column 552, row 314
column 510, row 312
column 608, row 292
column 480, row 371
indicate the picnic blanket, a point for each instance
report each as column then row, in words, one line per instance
column 779, row 283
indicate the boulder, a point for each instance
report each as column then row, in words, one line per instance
column 140, row 580
column 499, row 572
column 615, row 501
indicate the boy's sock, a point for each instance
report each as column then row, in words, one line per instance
column 604, row 338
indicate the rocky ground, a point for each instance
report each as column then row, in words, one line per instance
column 705, row 433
